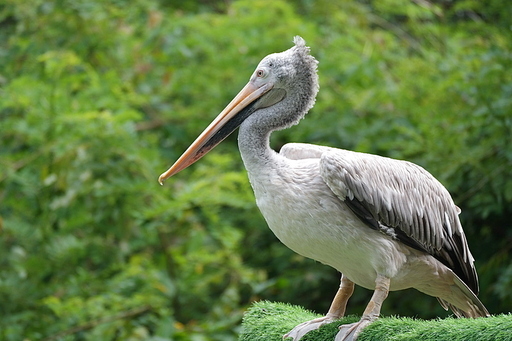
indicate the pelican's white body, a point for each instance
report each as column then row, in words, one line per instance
column 310, row 219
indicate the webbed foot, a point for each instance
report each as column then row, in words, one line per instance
column 302, row 329
column 350, row 332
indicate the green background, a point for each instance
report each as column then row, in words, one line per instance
column 97, row 98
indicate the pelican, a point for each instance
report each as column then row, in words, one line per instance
column 385, row 224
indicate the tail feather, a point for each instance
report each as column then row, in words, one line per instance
column 473, row 307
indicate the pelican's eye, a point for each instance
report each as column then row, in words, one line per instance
column 260, row 73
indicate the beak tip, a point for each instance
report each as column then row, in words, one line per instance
column 161, row 180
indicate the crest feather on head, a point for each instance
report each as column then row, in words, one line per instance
column 299, row 41
column 303, row 50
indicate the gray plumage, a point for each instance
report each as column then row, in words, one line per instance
column 397, row 198
column 384, row 224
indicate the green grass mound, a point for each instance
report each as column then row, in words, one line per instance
column 267, row 321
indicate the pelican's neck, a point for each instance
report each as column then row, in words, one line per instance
column 254, row 145
column 254, row 135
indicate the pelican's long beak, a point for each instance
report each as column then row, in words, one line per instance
column 221, row 127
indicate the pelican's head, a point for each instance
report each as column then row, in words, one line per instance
column 288, row 78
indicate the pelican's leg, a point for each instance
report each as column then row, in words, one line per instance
column 336, row 310
column 349, row 332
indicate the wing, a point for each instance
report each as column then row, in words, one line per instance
column 400, row 199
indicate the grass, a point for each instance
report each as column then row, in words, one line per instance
column 268, row 321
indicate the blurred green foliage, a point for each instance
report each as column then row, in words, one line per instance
column 97, row 98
